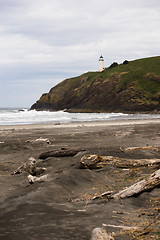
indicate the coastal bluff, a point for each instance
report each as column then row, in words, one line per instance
column 132, row 86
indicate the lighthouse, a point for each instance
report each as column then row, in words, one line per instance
column 101, row 64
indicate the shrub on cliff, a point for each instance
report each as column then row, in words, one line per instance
column 125, row 62
column 114, row 64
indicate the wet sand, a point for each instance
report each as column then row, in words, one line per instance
column 61, row 207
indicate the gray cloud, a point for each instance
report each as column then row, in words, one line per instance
column 43, row 42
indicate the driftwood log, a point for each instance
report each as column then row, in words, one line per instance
column 96, row 161
column 39, row 140
column 155, row 148
column 30, row 167
column 59, row 153
column 100, row 234
column 142, row 186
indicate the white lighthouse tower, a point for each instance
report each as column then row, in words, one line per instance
column 101, row 64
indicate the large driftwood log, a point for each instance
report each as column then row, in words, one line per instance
column 60, row 153
column 100, row 234
column 30, row 167
column 142, row 186
column 96, row 161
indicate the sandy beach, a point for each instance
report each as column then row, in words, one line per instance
column 61, row 206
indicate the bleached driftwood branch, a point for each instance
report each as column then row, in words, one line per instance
column 33, row 179
column 107, row 194
column 39, row 140
column 125, row 228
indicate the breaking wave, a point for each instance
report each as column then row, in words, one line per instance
column 25, row 116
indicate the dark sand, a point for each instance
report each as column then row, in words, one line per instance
column 49, row 210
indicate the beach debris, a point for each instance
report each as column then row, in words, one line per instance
column 155, row 148
column 116, row 212
column 30, row 167
column 125, row 228
column 100, row 234
column 60, row 153
column 144, row 185
column 125, row 163
column 38, row 140
column 96, row 161
column 150, row 182
column 107, row 194
column 1, row 142
column 25, row 166
column 91, row 161
column 33, row 179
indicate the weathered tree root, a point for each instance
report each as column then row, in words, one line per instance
column 91, row 161
column 30, row 167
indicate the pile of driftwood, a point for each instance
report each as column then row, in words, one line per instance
column 147, row 184
column 150, row 182
column 95, row 161
column 36, row 173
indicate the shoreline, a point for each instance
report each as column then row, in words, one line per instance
column 81, row 123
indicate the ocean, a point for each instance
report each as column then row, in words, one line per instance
column 17, row 116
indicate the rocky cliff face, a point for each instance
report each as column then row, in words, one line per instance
column 132, row 87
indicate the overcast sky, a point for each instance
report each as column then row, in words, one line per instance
column 43, row 42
